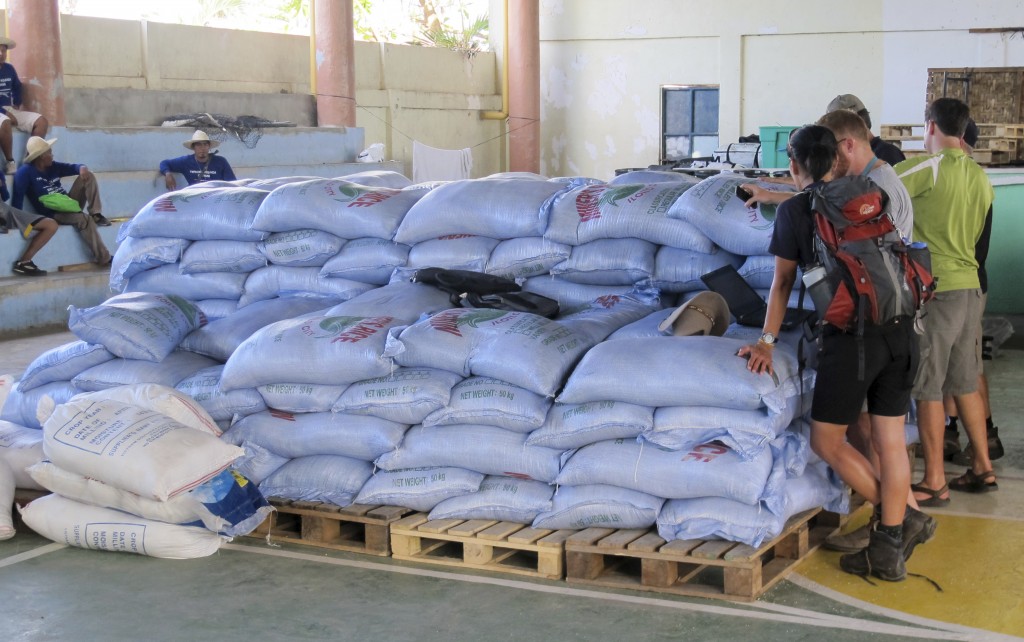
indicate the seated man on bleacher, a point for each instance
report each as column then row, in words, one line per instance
column 40, row 228
column 198, row 167
column 38, row 178
column 11, row 114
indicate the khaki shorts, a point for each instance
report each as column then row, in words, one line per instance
column 26, row 119
column 950, row 345
column 21, row 219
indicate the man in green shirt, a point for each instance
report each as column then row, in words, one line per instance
column 951, row 196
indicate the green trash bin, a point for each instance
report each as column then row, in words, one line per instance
column 773, row 146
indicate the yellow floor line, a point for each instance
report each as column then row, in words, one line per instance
column 979, row 563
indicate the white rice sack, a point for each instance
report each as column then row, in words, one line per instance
column 400, row 299
column 378, row 178
column 6, row 501
column 137, row 326
column 270, row 184
column 485, row 449
column 66, row 521
column 418, row 488
column 257, row 463
column 636, row 211
column 20, row 448
column 600, row 506
column 333, row 205
column 500, row 498
column 745, row 432
column 495, row 208
column 758, row 271
column 708, row 470
column 204, row 388
column 228, row 504
column 655, row 364
column 125, row 372
column 599, row 318
column 406, row 395
column 648, row 176
column 215, row 309
column 162, row 399
column 222, row 256
column 318, row 433
column 220, row 338
column 608, row 262
column 570, row 426
column 281, row 281
column 136, row 255
column 132, row 448
column 22, row 408
column 526, row 257
column 521, row 348
column 316, row 349
column 367, row 260
column 201, row 215
column 453, row 252
column 300, row 397
column 712, row 517
column 677, row 270
column 492, row 402
column 572, row 295
column 62, row 363
column 168, row 279
column 712, row 206
column 301, row 248
column 319, row 478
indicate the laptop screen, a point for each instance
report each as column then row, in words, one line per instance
column 743, row 300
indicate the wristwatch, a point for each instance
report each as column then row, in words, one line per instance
column 768, row 339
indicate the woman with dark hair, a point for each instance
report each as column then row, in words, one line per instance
column 839, row 392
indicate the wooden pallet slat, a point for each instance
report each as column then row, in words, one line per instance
column 506, row 547
column 355, row 528
column 702, row 568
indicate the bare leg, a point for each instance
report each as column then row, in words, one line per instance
column 40, row 127
column 6, row 140
column 890, row 444
column 44, row 231
column 930, row 424
column 829, row 442
column 972, row 413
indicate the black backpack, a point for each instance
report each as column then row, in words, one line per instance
column 468, row 289
column 873, row 275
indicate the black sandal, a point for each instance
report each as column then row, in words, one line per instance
column 934, row 499
column 970, row 482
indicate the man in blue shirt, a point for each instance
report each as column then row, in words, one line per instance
column 200, row 166
column 10, row 112
column 38, row 178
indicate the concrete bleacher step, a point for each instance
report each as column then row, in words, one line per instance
column 36, row 305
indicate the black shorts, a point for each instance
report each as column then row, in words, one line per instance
column 890, row 364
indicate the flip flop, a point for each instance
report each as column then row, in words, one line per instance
column 970, row 482
column 934, row 499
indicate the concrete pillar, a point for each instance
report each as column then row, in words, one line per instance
column 335, row 63
column 34, row 25
column 523, row 50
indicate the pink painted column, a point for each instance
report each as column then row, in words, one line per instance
column 334, row 63
column 523, row 50
column 34, row 25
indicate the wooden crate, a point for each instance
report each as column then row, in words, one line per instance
column 359, row 528
column 641, row 560
column 486, row 545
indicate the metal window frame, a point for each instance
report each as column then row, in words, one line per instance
column 664, row 89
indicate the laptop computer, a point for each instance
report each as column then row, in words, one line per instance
column 744, row 302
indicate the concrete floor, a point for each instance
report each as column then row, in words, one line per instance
column 251, row 590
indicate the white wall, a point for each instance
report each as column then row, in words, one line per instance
column 777, row 62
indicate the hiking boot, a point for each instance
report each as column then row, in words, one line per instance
column 27, row 268
column 918, row 528
column 855, row 540
column 100, row 220
column 995, row 450
column 883, row 558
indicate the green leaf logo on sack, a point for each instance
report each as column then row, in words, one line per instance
column 347, row 329
column 590, row 199
column 451, row 320
column 191, row 312
column 360, row 196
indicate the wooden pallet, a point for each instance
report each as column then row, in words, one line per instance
column 486, row 545
column 901, row 132
column 990, row 157
column 1001, row 130
column 359, row 528
column 641, row 560
column 1010, row 145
